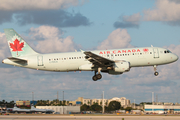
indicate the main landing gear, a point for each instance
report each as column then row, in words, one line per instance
column 97, row 76
column 155, row 73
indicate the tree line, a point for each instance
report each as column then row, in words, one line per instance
column 113, row 105
column 7, row 104
column 52, row 103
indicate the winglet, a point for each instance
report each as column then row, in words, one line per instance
column 82, row 51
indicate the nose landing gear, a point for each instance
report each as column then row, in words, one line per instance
column 155, row 73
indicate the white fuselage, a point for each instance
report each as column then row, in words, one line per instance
column 76, row 61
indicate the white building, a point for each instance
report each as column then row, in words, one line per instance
column 62, row 109
column 122, row 100
column 164, row 108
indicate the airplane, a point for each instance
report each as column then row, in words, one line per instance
column 114, row 61
column 33, row 109
column 19, row 110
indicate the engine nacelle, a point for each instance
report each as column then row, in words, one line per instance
column 122, row 66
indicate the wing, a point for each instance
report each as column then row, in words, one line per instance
column 98, row 60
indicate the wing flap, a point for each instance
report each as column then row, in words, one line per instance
column 98, row 60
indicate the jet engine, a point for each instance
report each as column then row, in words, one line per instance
column 121, row 66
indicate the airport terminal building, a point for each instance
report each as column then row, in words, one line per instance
column 162, row 108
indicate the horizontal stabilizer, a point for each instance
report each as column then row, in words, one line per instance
column 18, row 60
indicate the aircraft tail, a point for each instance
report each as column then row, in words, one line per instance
column 17, row 45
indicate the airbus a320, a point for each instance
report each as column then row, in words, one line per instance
column 114, row 61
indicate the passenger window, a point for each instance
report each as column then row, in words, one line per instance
column 164, row 51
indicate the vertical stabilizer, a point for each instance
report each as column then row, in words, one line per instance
column 17, row 45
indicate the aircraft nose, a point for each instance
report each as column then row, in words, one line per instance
column 175, row 57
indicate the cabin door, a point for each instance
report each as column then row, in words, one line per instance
column 40, row 60
column 156, row 53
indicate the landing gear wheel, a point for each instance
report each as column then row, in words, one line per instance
column 99, row 76
column 95, row 78
column 156, row 73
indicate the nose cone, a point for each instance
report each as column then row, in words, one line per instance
column 175, row 58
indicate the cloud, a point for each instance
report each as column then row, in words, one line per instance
column 58, row 18
column 6, row 16
column 128, row 21
column 119, row 38
column 165, row 11
column 176, row 1
column 47, row 13
column 36, row 5
column 51, row 40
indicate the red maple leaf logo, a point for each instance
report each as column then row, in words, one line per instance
column 17, row 46
column 145, row 50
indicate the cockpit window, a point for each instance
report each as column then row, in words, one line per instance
column 167, row 51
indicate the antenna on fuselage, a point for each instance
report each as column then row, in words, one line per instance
column 151, row 45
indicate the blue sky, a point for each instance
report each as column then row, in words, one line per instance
column 66, row 25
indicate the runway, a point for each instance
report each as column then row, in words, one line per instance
column 57, row 117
